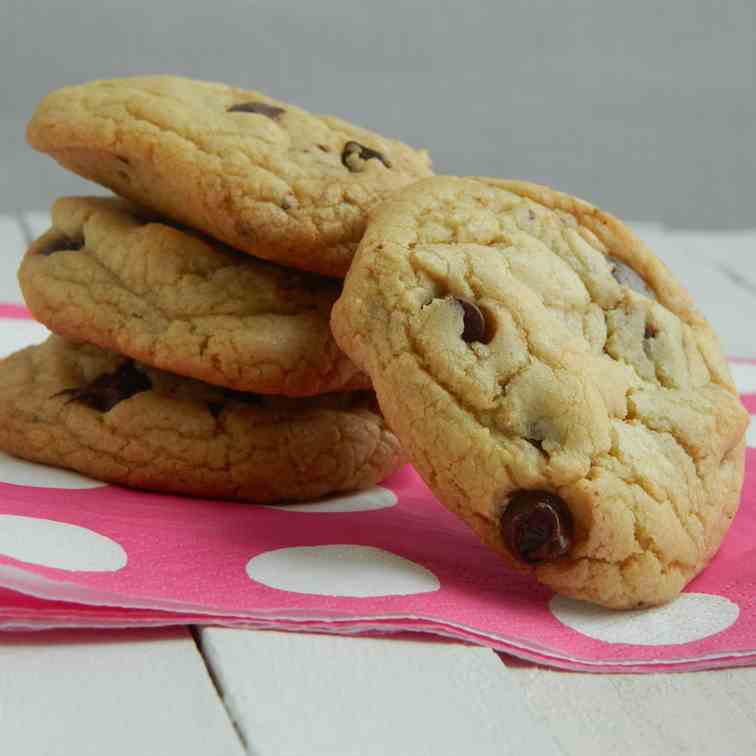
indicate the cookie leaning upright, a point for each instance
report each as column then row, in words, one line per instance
column 551, row 382
column 110, row 274
column 266, row 177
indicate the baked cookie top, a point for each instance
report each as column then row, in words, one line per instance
column 264, row 176
column 551, row 382
column 109, row 274
column 91, row 410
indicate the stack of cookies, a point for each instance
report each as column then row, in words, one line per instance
column 185, row 357
column 546, row 375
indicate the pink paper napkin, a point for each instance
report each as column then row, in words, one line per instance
column 75, row 552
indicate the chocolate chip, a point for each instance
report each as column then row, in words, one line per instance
column 650, row 332
column 537, row 442
column 62, row 244
column 536, row 526
column 355, row 155
column 107, row 390
column 474, row 322
column 257, row 107
column 215, row 408
column 626, row 276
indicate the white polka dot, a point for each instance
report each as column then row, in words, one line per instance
column 58, row 544
column 341, row 570
column 361, row 501
column 744, row 375
column 690, row 617
column 751, row 433
column 16, row 334
column 19, row 472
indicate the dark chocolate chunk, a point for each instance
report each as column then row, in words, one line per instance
column 257, row 107
column 64, row 244
column 474, row 321
column 650, row 332
column 536, row 526
column 626, row 276
column 537, row 442
column 215, row 408
column 354, row 155
column 107, row 390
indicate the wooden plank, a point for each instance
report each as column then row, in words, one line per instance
column 702, row 713
column 293, row 694
column 125, row 693
column 724, row 301
column 731, row 251
column 14, row 333
column 12, row 247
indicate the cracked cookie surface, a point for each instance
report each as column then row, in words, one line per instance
column 551, row 382
column 88, row 409
column 108, row 274
column 264, row 176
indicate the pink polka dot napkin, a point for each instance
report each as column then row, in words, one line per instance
column 75, row 552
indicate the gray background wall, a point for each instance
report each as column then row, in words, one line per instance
column 646, row 108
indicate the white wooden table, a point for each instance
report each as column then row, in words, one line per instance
column 214, row 691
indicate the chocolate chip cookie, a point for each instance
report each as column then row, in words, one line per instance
column 551, row 382
column 108, row 274
column 264, row 176
column 81, row 407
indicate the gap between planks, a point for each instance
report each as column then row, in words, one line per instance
column 217, row 685
column 120, row 692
